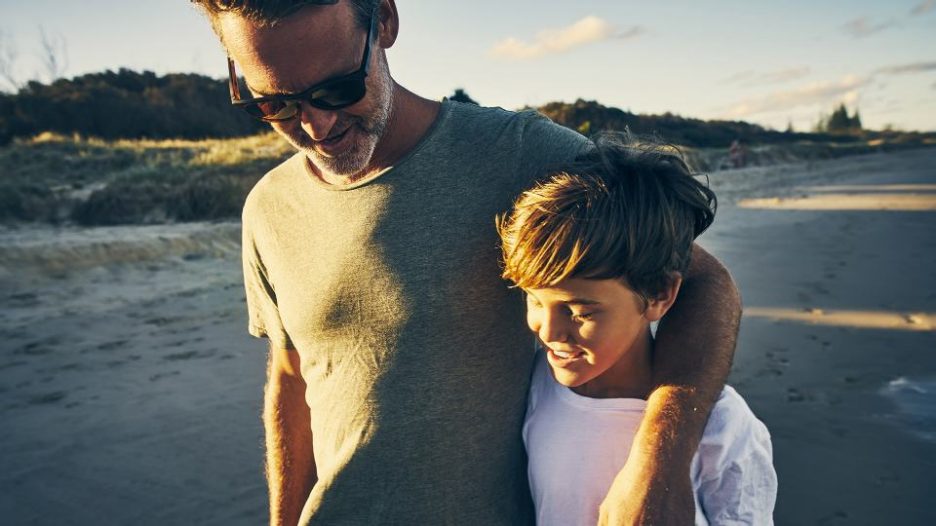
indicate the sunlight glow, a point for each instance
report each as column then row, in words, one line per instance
column 897, row 202
column 860, row 319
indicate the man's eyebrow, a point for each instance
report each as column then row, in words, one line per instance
column 263, row 93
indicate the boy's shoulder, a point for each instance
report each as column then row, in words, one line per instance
column 733, row 472
column 731, row 418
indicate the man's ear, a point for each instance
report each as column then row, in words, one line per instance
column 388, row 23
column 657, row 307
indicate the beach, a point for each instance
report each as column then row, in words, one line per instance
column 131, row 392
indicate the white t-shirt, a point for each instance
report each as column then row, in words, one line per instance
column 577, row 445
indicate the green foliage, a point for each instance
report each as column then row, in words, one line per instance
column 461, row 96
column 26, row 201
column 593, row 117
column 125, row 104
column 52, row 178
column 839, row 122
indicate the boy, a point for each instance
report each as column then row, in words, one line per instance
column 599, row 247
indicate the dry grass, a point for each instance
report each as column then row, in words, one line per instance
column 60, row 179
column 57, row 178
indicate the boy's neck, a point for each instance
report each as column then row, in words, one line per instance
column 629, row 377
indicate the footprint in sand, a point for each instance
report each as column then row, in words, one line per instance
column 47, row 398
column 839, row 515
column 188, row 355
column 112, row 345
column 160, row 376
column 794, row 395
column 35, row 348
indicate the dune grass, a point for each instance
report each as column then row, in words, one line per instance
column 61, row 179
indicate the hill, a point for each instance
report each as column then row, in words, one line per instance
column 588, row 116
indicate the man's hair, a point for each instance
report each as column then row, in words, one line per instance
column 622, row 210
column 269, row 12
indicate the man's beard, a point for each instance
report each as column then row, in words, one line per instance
column 369, row 130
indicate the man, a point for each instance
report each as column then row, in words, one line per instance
column 398, row 359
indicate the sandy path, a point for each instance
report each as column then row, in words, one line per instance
column 131, row 393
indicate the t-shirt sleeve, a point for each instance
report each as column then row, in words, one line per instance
column 262, row 309
column 734, row 475
column 539, row 378
column 547, row 144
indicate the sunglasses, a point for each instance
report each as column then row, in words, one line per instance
column 332, row 94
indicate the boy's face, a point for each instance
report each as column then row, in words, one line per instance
column 588, row 326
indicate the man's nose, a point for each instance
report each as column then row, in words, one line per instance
column 317, row 123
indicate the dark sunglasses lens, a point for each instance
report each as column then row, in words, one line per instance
column 339, row 94
column 275, row 110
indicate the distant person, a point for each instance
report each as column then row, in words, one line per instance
column 395, row 390
column 600, row 248
column 737, row 154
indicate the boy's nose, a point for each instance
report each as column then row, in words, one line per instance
column 315, row 122
column 552, row 329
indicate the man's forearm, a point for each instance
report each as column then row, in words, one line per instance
column 290, row 464
column 694, row 348
column 692, row 357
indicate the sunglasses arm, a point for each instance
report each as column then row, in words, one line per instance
column 232, row 81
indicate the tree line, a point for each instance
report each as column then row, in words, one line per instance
column 589, row 117
column 125, row 104
column 129, row 104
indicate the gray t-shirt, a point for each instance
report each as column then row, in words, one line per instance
column 390, row 292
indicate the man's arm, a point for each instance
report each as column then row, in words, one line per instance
column 692, row 357
column 290, row 464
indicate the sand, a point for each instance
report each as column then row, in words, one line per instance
column 836, row 351
column 131, row 392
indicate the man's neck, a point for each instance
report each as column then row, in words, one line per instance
column 411, row 117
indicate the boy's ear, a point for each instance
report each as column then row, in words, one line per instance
column 657, row 307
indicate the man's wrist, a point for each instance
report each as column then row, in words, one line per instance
column 670, row 432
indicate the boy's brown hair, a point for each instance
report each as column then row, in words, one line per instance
column 621, row 210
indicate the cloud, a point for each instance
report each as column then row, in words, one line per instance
column 862, row 27
column 588, row 30
column 923, row 7
column 751, row 78
column 914, row 67
column 844, row 90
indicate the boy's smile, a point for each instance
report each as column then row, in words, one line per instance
column 597, row 335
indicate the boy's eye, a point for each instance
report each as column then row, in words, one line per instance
column 582, row 316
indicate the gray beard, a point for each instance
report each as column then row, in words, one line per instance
column 348, row 163
column 372, row 127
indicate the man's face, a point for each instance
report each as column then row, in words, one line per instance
column 313, row 45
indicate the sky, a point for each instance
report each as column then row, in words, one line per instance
column 772, row 63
